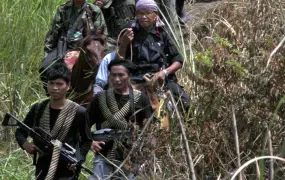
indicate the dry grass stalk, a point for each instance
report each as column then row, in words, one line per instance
column 274, row 52
column 245, row 165
column 186, row 144
column 234, row 42
column 257, row 171
column 236, row 140
column 271, row 165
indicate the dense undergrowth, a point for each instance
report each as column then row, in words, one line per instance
column 235, row 73
column 23, row 27
column 238, row 74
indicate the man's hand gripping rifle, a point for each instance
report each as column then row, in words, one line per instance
column 44, row 142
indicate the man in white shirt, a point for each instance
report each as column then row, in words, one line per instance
column 102, row 75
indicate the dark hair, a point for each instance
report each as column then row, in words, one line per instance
column 122, row 62
column 59, row 70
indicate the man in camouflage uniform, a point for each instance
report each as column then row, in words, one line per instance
column 73, row 21
column 117, row 13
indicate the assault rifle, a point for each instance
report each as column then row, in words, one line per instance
column 44, row 142
column 109, row 134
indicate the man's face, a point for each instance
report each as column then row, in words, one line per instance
column 119, row 77
column 146, row 18
column 57, row 88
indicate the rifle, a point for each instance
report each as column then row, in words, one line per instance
column 44, row 142
column 109, row 134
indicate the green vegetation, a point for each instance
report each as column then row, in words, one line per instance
column 23, row 27
column 230, row 76
column 24, row 24
column 13, row 168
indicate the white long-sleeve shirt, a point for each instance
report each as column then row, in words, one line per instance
column 102, row 75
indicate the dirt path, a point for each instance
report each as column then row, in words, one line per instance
column 198, row 10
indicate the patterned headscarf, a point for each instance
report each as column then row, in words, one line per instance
column 146, row 5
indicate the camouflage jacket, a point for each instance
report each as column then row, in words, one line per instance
column 118, row 14
column 74, row 23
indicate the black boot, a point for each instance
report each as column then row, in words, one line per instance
column 183, row 16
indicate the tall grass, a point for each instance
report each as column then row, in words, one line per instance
column 234, row 41
column 13, row 168
column 23, row 27
column 230, row 74
column 24, row 24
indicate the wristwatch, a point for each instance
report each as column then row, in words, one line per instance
column 165, row 72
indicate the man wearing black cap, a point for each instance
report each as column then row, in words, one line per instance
column 116, row 108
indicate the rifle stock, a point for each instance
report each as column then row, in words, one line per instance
column 43, row 141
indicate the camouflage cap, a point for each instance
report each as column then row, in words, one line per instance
column 106, row 3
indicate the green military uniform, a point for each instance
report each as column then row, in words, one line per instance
column 74, row 23
column 117, row 13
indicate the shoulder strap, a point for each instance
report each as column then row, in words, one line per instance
column 40, row 106
column 132, row 103
column 64, row 120
column 74, row 26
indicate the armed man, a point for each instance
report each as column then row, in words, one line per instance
column 152, row 51
column 64, row 120
column 116, row 108
column 72, row 22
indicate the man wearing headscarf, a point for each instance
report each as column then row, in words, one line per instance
column 116, row 108
column 153, row 52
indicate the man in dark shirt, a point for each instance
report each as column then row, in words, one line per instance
column 153, row 52
column 63, row 119
column 115, row 109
